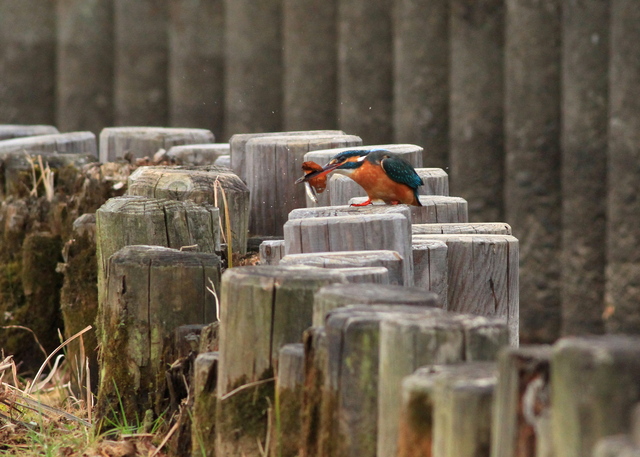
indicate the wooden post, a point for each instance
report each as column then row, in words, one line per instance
column 200, row 185
column 309, row 64
column 290, row 382
column 223, row 161
column 238, row 145
column 365, row 108
column 85, row 65
column 421, row 83
column 338, row 295
column 341, row 188
column 334, row 211
column 623, row 211
column 273, row 165
column 446, row 410
column 316, row 365
column 262, row 308
column 430, row 269
column 477, row 105
column 61, row 143
column 390, row 260
column 484, row 228
column 594, row 388
column 352, row 233
column 253, row 66
column 585, row 107
column 365, row 275
column 434, row 209
column 521, row 423
column 196, row 64
column 532, row 170
column 141, row 57
column 148, row 292
column 614, row 446
column 271, row 251
column 10, row 131
column 197, row 154
column 409, row 342
column 27, row 63
column 135, row 142
column 483, row 276
column 203, row 428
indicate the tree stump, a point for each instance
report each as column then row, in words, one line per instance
column 271, row 251
column 273, row 165
column 390, row 260
column 430, row 269
column 484, row 228
column 594, row 388
column 197, row 154
column 238, row 146
column 521, row 423
column 338, row 193
column 316, row 388
column 132, row 220
column 409, row 342
column 482, row 276
column 331, row 211
column 61, row 143
column 434, row 209
column 352, row 233
column 338, row 295
column 262, row 308
column 200, row 185
column 203, row 428
column 11, row 131
column 148, row 292
column 136, row 142
column 289, row 387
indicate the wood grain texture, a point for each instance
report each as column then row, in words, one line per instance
column 273, row 165
column 330, row 211
column 430, row 268
column 238, row 146
column 485, row 228
column 522, row 403
column 61, row 143
column 205, row 377
column 11, row 131
column 150, row 290
column 204, row 184
column 316, row 393
column 434, row 209
column 116, row 142
column 289, row 387
column 197, row 154
column 352, row 233
column 390, row 260
column 271, row 251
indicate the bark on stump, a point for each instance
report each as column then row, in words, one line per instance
column 262, row 308
column 273, row 165
column 197, row 154
column 352, row 233
column 137, row 142
column 11, row 131
column 200, row 185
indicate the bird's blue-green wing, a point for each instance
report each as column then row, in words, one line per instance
column 399, row 170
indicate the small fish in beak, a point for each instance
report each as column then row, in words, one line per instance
column 315, row 182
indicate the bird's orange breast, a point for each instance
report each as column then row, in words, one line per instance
column 379, row 186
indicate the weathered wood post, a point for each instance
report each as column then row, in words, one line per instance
column 196, row 64
column 203, row 428
column 434, row 209
column 430, row 268
column 10, row 131
column 594, row 388
column 477, row 105
column 316, row 366
column 262, row 309
column 205, row 184
column 27, row 65
column 273, row 165
column 623, row 210
column 585, row 107
column 485, row 228
column 141, row 57
column 521, row 423
column 421, row 83
column 352, row 233
column 253, row 99
column 309, row 64
column 289, row 387
column 532, row 170
column 197, row 154
column 84, row 98
column 271, row 251
column 365, row 108
column 407, row 343
column 148, row 292
column 136, row 142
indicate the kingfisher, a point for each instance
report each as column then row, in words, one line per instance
column 382, row 174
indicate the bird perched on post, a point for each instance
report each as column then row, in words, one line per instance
column 382, row 174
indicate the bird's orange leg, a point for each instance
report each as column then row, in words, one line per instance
column 395, row 202
column 368, row 202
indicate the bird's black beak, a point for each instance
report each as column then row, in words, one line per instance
column 328, row 168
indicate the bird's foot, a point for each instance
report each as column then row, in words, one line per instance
column 368, row 202
column 395, row 202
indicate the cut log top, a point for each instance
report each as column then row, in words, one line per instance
column 197, row 154
column 158, row 255
column 497, row 228
column 342, row 258
column 330, row 211
column 410, row 152
column 69, row 143
column 297, row 273
column 239, row 140
column 309, row 142
column 370, row 294
column 9, row 131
